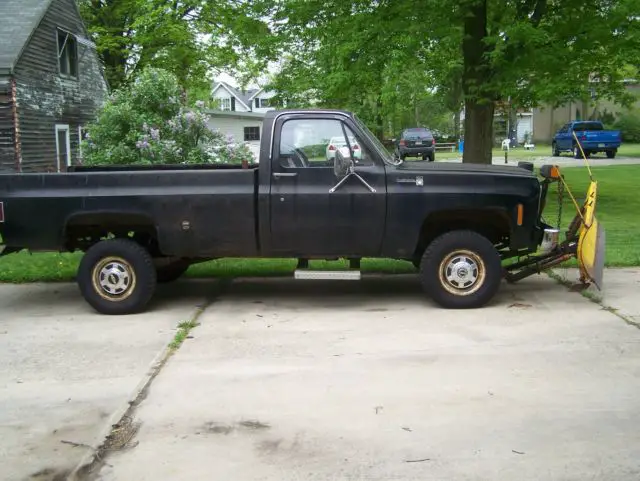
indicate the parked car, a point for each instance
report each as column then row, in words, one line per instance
column 337, row 143
column 416, row 142
column 592, row 137
column 143, row 224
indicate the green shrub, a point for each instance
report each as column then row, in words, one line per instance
column 146, row 123
column 629, row 124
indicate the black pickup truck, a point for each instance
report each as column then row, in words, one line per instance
column 141, row 225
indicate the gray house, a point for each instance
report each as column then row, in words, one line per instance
column 51, row 83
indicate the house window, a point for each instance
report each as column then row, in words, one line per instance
column 67, row 54
column 251, row 133
column 262, row 103
column 225, row 104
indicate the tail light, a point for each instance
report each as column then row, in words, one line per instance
column 332, row 147
column 583, row 137
column 402, row 142
column 356, row 147
column 433, row 142
column 1, row 212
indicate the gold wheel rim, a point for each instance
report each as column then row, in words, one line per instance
column 462, row 272
column 114, row 279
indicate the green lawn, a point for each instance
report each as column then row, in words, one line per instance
column 541, row 150
column 618, row 210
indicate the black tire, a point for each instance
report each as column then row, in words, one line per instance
column 470, row 249
column 171, row 272
column 431, row 157
column 131, row 281
column 611, row 154
column 576, row 152
column 554, row 150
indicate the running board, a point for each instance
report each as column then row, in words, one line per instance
column 327, row 275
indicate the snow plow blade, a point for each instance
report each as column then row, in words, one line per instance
column 591, row 241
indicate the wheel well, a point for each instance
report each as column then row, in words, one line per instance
column 493, row 224
column 84, row 230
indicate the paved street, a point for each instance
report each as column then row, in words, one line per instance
column 289, row 381
column 67, row 371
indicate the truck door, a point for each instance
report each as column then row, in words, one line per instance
column 308, row 217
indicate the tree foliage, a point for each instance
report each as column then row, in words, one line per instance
column 185, row 37
column 146, row 123
column 386, row 56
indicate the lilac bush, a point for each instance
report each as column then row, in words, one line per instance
column 146, row 124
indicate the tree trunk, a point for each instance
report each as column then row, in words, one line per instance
column 478, row 132
column 479, row 99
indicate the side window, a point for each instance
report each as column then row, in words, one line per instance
column 314, row 143
column 309, row 142
column 361, row 155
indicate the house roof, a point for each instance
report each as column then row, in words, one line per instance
column 18, row 21
column 235, row 115
column 243, row 96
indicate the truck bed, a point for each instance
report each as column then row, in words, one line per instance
column 219, row 218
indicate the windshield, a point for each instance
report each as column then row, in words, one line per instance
column 382, row 151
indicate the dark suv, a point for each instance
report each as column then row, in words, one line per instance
column 416, row 142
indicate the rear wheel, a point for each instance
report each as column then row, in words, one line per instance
column 461, row 270
column 117, row 276
column 576, row 152
column 554, row 150
column 611, row 154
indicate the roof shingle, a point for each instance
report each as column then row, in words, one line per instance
column 18, row 20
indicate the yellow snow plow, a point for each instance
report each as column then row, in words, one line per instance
column 584, row 239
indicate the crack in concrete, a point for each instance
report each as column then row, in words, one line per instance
column 90, row 466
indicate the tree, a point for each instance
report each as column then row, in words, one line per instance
column 185, row 37
column 357, row 54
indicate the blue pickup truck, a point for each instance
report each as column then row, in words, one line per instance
column 592, row 137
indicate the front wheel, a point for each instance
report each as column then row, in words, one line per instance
column 554, row 150
column 117, row 276
column 461, row 270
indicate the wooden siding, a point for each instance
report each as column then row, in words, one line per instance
column 45, row 98
column 7, row 151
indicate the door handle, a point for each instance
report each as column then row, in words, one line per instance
column 277, row 175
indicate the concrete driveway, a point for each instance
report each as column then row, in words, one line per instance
column 67, row 372
column 290, row 381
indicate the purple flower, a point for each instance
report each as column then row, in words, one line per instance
column 200, row 104
column 155, row 134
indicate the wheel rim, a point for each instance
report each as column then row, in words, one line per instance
column 462, row 273
column 114, row 278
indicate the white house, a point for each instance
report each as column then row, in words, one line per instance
column 241, row 125
column 234, row 100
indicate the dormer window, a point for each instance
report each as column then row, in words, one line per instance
column 262, row 103
column 67, row 54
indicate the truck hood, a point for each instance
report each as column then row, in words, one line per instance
column 474, row 169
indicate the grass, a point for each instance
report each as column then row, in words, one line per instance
column 184, row 328
column 541, row 150
column 618, row 208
